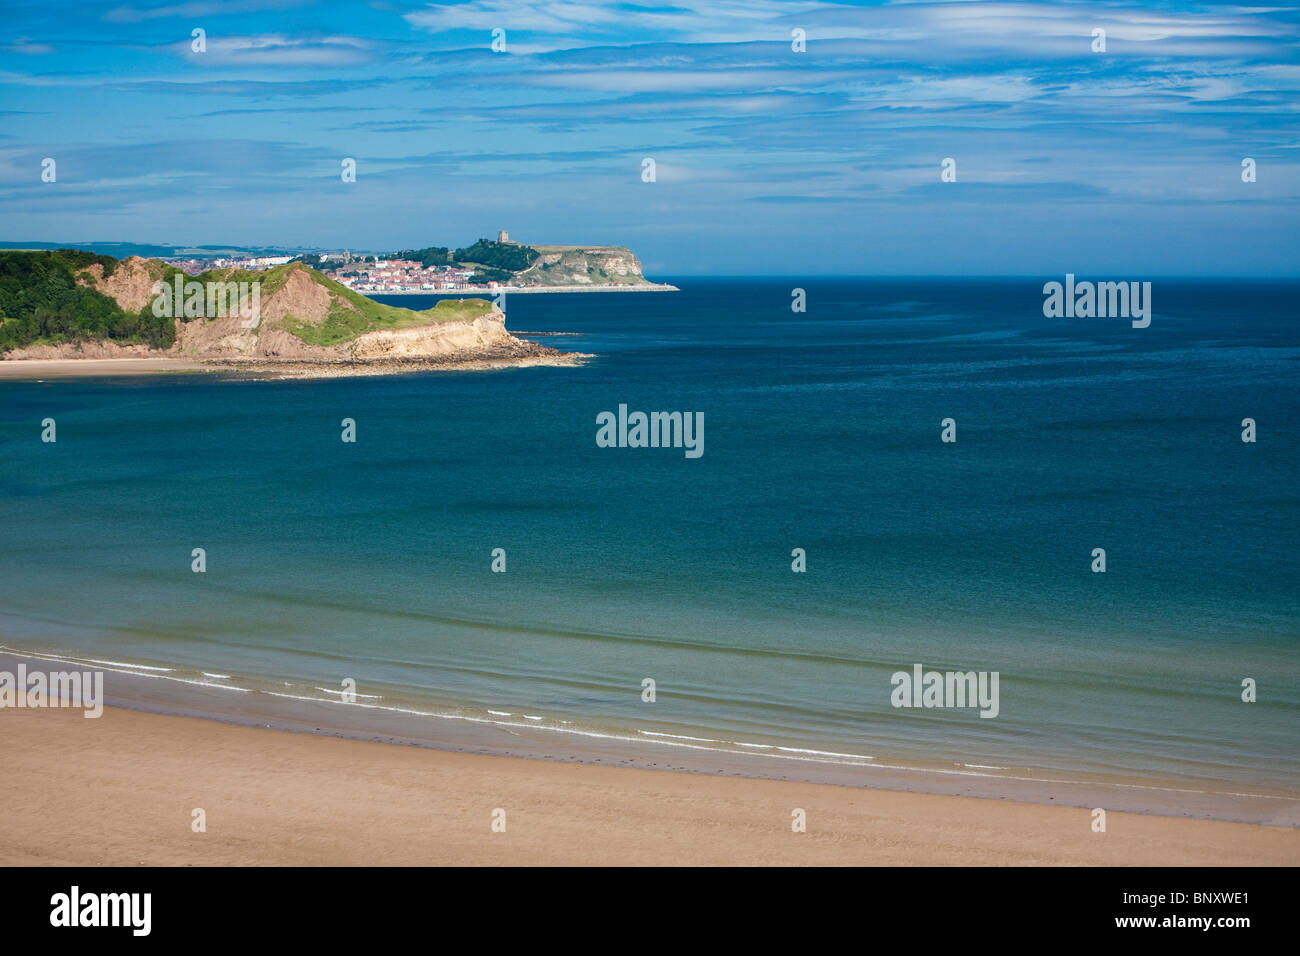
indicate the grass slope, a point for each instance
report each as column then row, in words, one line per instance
column 352, row 314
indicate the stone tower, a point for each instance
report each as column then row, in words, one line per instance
column 503, row 236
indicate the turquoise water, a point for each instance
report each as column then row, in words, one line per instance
column 372, row 560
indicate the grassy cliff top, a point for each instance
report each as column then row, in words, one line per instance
column 349, row 313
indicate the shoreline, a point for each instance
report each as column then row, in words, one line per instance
column 31, row 368
column 195, row 696
column 526, row 290
column 274, row 798
column 272, row 369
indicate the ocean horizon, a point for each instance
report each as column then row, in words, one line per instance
column 373, row 561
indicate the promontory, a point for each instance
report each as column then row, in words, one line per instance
column 290, row 320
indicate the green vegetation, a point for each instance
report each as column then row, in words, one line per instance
column 352, row 314
column 341, row 325
column 498, row 259
column 432, row 256
column 41, row 303
column 49, row 297
column 457, row 310
column 79, row 259
column 508, row 256
column 272, row 279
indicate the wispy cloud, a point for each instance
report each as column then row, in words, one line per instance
column 23, row 46
column 276, row 50
column 137, row 13
column 756, row 144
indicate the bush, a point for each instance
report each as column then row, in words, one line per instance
column 432, row 256
column 40, row 301
column 483, row 276
column 499, row 255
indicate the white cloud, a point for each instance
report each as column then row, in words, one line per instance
column 274, row 50
column 25, row 47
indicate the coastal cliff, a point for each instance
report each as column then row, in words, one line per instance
column 583, row 266
column 290, row 318
column 506, row 264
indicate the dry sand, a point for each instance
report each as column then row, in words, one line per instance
column 120, row 790
column 91, row 368
column 526, row 355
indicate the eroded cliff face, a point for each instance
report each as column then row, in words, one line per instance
column 583, row 265
column 486, row 333
column 295, row 301
column 131, row 283
column 299, row 300
column 85, row 350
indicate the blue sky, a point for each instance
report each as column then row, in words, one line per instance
column 1125, row 163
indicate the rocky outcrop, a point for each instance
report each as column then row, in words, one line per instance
column 131, row 283
column 299, row 298
column 84, row 350
column 483, row 333
column 296, row 305
column 583, row 265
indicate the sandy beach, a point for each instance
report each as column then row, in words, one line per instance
column 42, row 369
column 29, row 369
column 121, row 790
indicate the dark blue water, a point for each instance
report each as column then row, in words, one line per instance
column 372, row 560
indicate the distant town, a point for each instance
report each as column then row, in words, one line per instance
column 368, row 274
column 502, row 263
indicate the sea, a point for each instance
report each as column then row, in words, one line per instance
column 476, row 553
